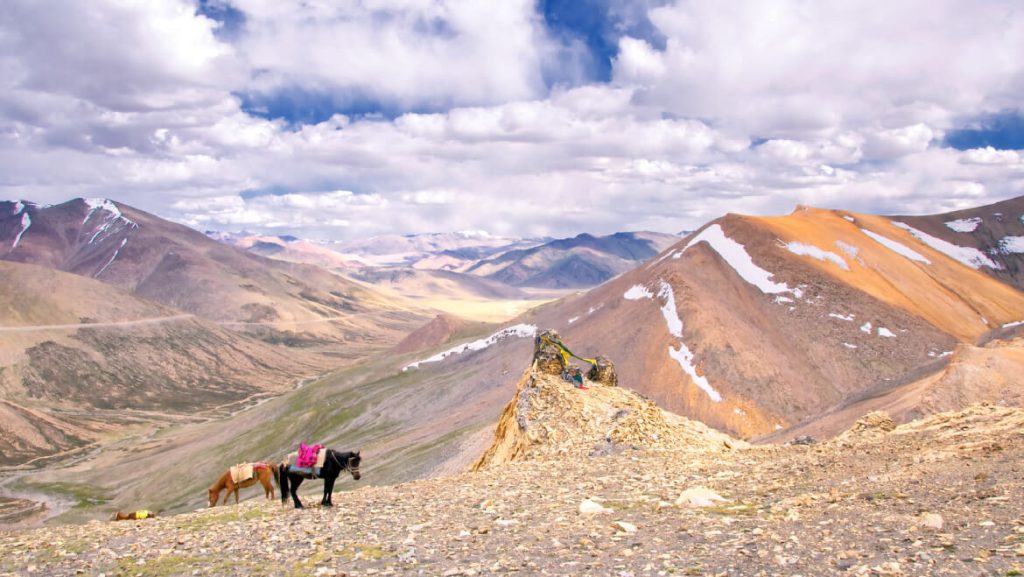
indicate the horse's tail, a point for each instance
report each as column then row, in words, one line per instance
column 274, row 471
column 282, row 481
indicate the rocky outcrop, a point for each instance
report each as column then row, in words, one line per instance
column 547, row 357
column 550, row 419
column 870, row 425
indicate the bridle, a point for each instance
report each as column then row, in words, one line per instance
column 347, row 465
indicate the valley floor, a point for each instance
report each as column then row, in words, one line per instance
column 942, row 496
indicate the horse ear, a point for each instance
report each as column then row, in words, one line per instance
column 357, row 452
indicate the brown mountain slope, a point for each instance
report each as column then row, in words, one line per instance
column 435, row 333
column 80, row 360
column 996, row 231
column 752, row 324
column 991, row 374
column 280, row 302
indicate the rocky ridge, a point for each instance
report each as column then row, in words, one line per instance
column 548, row 418
column 934, row 497
column 602, row 481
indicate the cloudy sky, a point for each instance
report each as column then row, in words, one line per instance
column 349, row 118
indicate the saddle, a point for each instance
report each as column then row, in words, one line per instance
column 242, row 472
column 308, row 461
column 308, row 455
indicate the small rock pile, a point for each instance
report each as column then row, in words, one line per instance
column 547, row 357
column 603, row 372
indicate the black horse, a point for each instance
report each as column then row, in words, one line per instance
column 334, row 463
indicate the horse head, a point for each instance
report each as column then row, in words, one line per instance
column 214, row 494
column 352, row 465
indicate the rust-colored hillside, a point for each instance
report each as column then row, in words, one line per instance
column 753, row 324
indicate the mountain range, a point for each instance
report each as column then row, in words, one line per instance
column 112, row 318
column 583, row 261
column 761, row 327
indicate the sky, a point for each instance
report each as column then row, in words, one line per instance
column 342, row 119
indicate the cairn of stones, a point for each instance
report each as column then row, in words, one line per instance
column 603, row 372
column 547, row 357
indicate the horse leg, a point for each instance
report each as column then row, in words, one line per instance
column 328, row 490
column 228, row 489
column 296, row 481
column 268, row 489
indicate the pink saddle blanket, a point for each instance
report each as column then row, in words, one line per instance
column 307, row 455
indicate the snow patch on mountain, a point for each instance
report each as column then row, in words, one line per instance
column 848, row 248
column 896, row 247
column 801, row 249
column 26, row 221
column 637, row 292
column 521, row 331
column 884, row 332
column 963, row 224
column 96, row 204
column 683, row 355
column 969, row 256
column 866, row 327
column 113, row 215
column 668, row 310
column 1013, row 324
column 737, row 257
column 124, row 241
column 848, row 317
column 685, row 359
column 1011, row 245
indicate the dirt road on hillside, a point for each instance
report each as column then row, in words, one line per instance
column 167, row 319
column 76, row 326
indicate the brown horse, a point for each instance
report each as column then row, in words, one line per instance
column 262, row 472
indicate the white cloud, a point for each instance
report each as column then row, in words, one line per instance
column 748, row 107
column 899, row 141
column 789, row 69
column 989, row 155
column 401, row 52
column 638, row 62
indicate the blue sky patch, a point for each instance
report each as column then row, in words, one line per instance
column 598, row 25
column 1004, row 131
column 231, row 19
column 298, row 106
